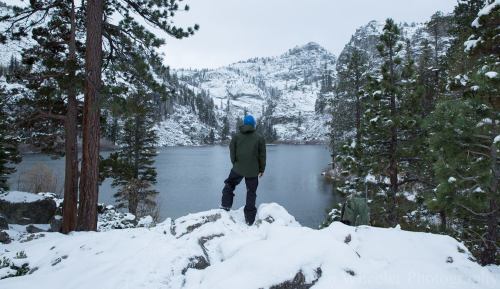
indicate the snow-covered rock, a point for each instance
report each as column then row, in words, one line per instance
column 216, row 249
column 27, row 208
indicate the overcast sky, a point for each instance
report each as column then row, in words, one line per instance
column 233, row 30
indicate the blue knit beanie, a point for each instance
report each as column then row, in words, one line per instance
column 249, row 120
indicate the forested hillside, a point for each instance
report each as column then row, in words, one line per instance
column 423, row 142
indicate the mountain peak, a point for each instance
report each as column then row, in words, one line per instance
column 311, row 46
column 308, row 48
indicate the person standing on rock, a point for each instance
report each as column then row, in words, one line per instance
column 248, row 156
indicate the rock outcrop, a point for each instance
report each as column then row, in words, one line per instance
column 25, row 208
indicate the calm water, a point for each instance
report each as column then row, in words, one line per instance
column 190, row 179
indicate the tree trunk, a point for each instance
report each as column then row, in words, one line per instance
column 71, row 172
column 393, row 163
column 89, row 189
column 443, row 225
column 358, row 112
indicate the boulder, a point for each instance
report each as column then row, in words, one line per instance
column 4, row 225
column 34, row 229
column 19, row 209
column 4, row 238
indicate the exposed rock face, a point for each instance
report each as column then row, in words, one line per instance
column 367, row 38
column 38, row 211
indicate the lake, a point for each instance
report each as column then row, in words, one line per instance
column 190, row 179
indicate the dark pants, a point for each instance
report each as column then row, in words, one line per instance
column 228, row 193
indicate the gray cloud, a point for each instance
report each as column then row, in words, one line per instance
column 233, row 30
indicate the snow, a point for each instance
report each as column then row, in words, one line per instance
column 290, row 81
column 268, row 253
column 181, row 128
column 485, row 11
column 370, row 179
column 491, row 74
column 375, row 119
column 146, row 221
column 472, row 43
column 410, row 196
column 20, row 197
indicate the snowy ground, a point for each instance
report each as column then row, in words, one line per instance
column 216, row 250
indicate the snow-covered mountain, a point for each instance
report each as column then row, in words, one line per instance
column 282, row 89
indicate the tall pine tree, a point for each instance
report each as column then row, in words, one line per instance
column 465, row 139
column 9, row 155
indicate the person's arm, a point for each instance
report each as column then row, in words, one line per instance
column 232, row 149
column 262, row 156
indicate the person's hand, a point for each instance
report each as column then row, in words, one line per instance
column 261, row 175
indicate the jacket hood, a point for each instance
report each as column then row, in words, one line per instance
column 247, row 129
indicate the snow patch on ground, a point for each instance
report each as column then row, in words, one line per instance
column 216, row 249
column 20, row 197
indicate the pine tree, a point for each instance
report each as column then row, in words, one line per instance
column 351, row 79
column 415, row 167
column 465, row 141
column 426, row 79
column 50, row 75
column 326, row 87
column 382, row 120
column 131, row 167
column 458, row 62
column 9, row 154
column 129, row 32
column 438, row 28
column 211, row 137
column 225, row 128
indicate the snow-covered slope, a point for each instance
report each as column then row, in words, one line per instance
column 181, row 128
column 216, row 250
column 287, row 84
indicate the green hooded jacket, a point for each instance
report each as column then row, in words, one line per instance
column 248, row 152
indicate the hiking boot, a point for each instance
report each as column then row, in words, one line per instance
column 225, row 208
